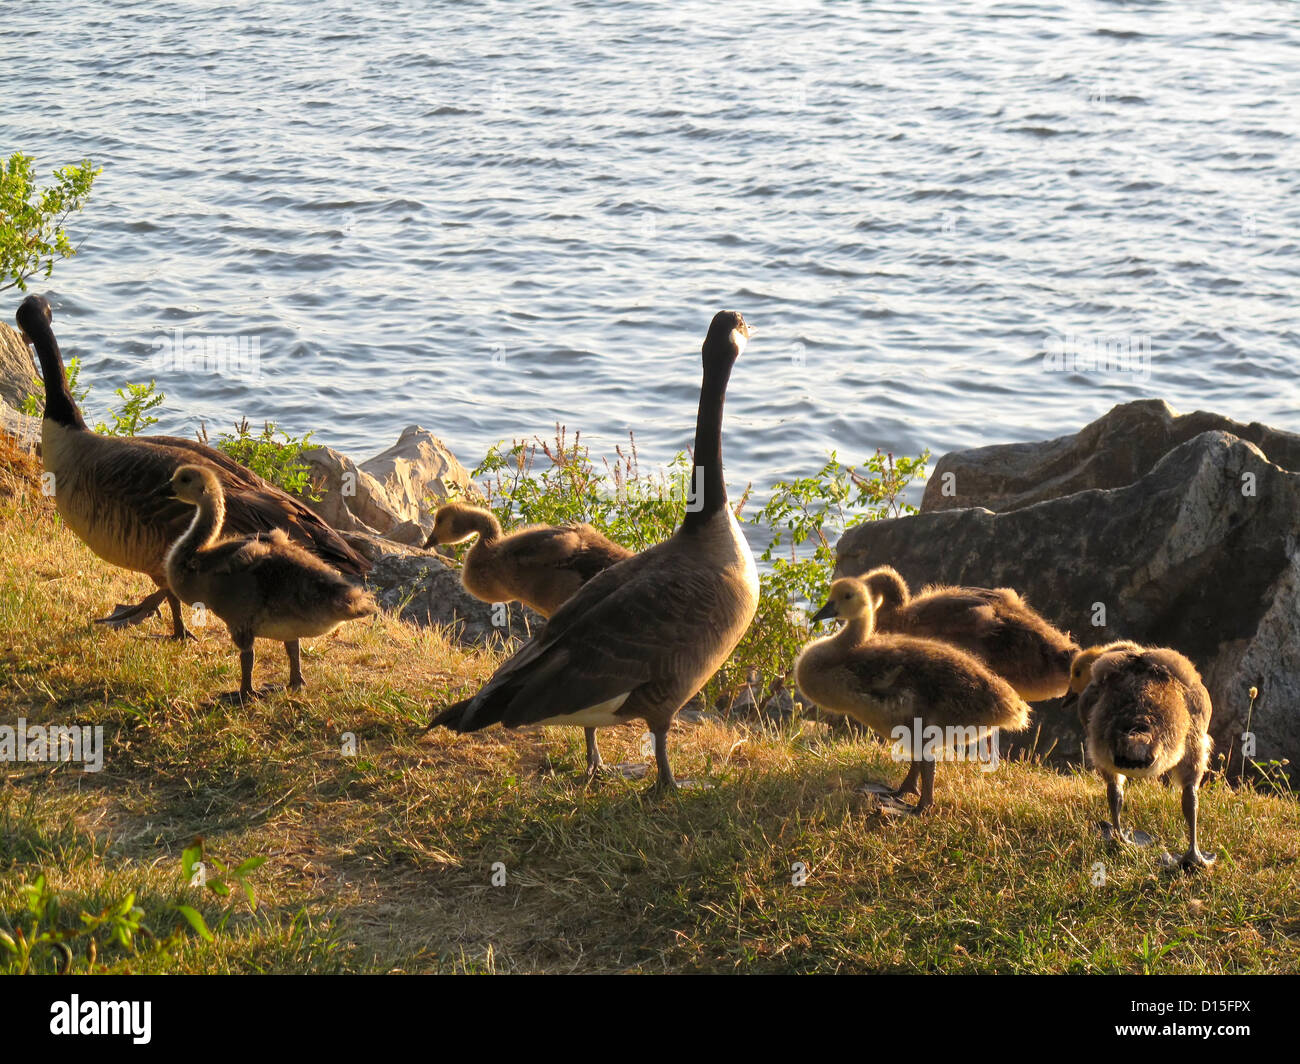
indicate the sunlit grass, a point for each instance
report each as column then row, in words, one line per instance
column 385, row 860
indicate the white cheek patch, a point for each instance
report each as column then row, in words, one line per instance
column 740, row 340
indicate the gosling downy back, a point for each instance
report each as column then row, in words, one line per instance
column 542, row 566
column 994, row 624
column 1146, row 712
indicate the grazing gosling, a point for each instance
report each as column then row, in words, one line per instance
column 994, row 624
column 541, row 566
column 1145, row 712
column 891, row 681
column 262, row 586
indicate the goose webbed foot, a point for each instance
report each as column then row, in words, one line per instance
column 238, row 698
column 1194, row 860
column 126, row 614
column 1123, row 836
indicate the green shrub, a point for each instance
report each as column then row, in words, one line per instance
column 32, row 236
column 132, row 419
column 278, row 460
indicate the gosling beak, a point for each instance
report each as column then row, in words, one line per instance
column 825, row 613
column 1070, row 703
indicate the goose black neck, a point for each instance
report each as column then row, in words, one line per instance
column 60, row 407
column 708, row 489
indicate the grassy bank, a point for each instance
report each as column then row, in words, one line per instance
column 385, row 860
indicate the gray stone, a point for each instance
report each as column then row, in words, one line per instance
column 425, row 589
column 1199, row 554
column 1115, row 450
column 418, row 473
column 17, row 370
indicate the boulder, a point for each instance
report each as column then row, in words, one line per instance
column 26, row 430
column 418, row 472
column 1116, row 449
column 350, row 499
column 1199, row 553
column 393, row 494
column 425, row 589
column 17, row 372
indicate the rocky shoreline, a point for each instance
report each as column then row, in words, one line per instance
column 1171, row 530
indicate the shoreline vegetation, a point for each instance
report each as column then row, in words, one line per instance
column 333, row 837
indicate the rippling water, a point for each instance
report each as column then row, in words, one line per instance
column 488, row 217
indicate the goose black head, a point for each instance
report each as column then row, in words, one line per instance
column 33, row 311
column 727, row 336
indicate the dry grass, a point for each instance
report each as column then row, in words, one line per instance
column 384, row 861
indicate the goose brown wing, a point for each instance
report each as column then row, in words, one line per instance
column 618, row 634
column 253, row 505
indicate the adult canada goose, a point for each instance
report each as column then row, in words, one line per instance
column 893, row 682
column 1145, row 712
column 114, row 491
column 641, row 638
column 994, row 624
column 262, row 586
column 541, row 566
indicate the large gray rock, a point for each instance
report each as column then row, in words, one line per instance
column 26, row 430
column 1199, row 554
column 393, row 494
column 349, row 499
column 418, row 472
column 17, row 371
column 425, row 589
column 1115, row 450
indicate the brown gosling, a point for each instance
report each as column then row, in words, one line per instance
column 1145, row 712
column 891, row 682
column 640, row 639
column 994, row 624
column 113, row 493
column 260, row 586
column 542, row 566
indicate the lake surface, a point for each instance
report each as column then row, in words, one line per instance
column 488, row 217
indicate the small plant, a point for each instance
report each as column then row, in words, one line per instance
column 557, row 482
column 32, row 236
column 36, row 941
column 134, row 417
column 197, row 868
column 272, row 454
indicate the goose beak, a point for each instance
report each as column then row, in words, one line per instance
column 1070, row 703
column 825, row 613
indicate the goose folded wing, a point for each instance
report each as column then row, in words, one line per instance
column 615, row 636
column 253, row 505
